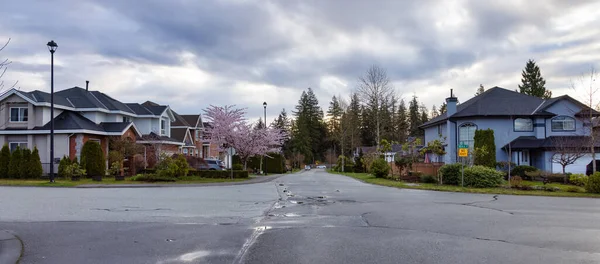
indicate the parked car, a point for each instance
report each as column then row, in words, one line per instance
column 307, row 167
column 321, row 167
column 212, row 164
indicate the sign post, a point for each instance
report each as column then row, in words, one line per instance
column 463, row 152
column 231, row 152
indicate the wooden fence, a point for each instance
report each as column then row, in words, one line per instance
column 422, row 168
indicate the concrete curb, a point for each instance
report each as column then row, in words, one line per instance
column 11, row 247
column 258, row 179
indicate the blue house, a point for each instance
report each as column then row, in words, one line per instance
column 528, row 126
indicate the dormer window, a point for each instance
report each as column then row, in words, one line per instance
column 563, row 123
column 18, row 114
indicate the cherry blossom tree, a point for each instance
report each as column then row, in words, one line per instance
column 229, row 128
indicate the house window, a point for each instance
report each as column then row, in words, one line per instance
column 563, row 123
column 523, row 125
column 13, row 145
column 163, row 127
column 466, row 134
column 197, row 134
column 439, row 129
column 185, row 151
column 95, row 140
column 18, row 114
column 126, row 119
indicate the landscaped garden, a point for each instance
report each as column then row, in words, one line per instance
column 481, row 175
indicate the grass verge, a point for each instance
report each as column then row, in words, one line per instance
column 107, row 180
column 368, row 178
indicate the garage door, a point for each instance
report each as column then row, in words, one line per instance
column 578, row 167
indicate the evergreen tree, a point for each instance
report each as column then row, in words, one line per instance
column 424, row 117
column 480, row 90
column 485, row 148
column 13, row 166
column 442, row 109
column 283, row 124
column 414, row 117
column 4, row 161
column 387, row 124
column 434, row 112
column 24, row 164
column 368, row 124
column 309, row 131
column 402, row 121
column 532, row 82
column 354, row 121
column 260, row 124
column 35, row 165
column 92, row 159
column 334, row 115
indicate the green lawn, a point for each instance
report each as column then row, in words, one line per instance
column 107, row 180
column 451, row 188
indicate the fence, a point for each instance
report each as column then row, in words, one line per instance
column 422, row 168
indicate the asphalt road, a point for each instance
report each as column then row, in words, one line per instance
column 309, row 217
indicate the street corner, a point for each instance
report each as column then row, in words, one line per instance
column 10, row 247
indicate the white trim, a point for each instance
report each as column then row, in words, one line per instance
column 18, row 107
column 538, row 107
column 68, row 100
column 42, row 132
column 95, row 98
column 18, row 142
column 159, row 142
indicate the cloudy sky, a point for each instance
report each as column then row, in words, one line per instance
column 189, row 53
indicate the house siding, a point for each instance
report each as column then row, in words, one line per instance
column 565, row 108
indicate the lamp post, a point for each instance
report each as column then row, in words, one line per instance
column 265, row 107
column 52, row 46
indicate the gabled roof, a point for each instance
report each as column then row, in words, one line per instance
column 498, row 101
column 179, row 120
column 80, row 98
column 155, row 138
column 179, row 133
column 528, row 142
column 193, row 120
column 110, row 102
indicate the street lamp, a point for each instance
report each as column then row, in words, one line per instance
column 265, row 107
column 52, row 46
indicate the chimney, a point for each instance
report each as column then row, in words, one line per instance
column 451, row 104
column 87, row 83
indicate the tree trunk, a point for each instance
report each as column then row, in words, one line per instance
column 564, row 174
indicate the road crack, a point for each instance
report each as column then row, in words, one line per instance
column 475, row 204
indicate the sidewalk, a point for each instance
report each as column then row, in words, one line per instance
column 10, row 248
column 252, row 180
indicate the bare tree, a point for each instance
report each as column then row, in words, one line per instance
column 589, row 115
column 567, row 150
column 4, row 66
column 375, row 89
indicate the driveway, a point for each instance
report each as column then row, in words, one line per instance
column 309, row 217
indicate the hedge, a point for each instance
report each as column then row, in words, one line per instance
column 14, row 165
column 593, row 184
column 482, row 177
column 24, row 164
column 4, row 161
column 35, row 164
column 218, row 174
column 484, row 139
column 380, row 168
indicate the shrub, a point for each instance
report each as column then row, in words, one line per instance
column 35, row 164
column 521, row 169
column 428, row 179
column 114, row 156
column 578, row 179
column 573, row 189
column 73, row 169
column 450, row 173
column 532, row 175
column 593, row 184
column 115, row 168
column 380, row 168
column 516, row 181
column 152, row 178
column 219, row 174
column 24, row 164
column 554, row 177
column 14, row 165
column 237, row 166
column 182, row 166
column 484, row 143
column 482, row 177
column 92, row 159
column 166, row 167
column 4, row 161
column 358, row 162
column 62, row 165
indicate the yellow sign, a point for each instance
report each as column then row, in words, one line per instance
column 463, row 152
